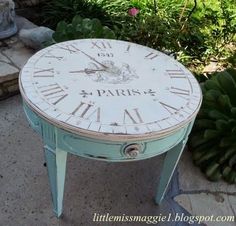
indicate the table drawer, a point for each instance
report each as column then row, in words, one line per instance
column 116, row 151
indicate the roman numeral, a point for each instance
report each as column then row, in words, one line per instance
column 179, row 91
column 128, row 48
column 44, row 73
column 53, row 93
column 49, row 55
column 169, row 108
column 70, row 48
column 151, row 56
column 176, row 73
column 101, row 45
column 132, row 116
column 87, row 111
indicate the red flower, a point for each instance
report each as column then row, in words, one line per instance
column 133, row 11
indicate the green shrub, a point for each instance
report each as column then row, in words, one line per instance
column 81, row 28
column 58, row 10
column 213, row 138
column 197, row 31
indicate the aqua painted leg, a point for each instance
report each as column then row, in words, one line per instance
column 170, row 163
column 56, row 165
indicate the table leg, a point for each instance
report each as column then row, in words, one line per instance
column 56, row 165
column 170, row 163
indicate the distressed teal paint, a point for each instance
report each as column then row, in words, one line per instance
column 170, row 163
column 58, row 142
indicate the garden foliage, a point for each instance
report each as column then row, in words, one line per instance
column 195, row 30
column 212, row 140
column 81, row 28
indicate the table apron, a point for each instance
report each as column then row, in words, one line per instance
column 57, row 138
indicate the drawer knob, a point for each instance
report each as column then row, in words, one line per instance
column 132, row 150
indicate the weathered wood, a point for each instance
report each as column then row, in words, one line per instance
column 77, row 84
column 108, row 100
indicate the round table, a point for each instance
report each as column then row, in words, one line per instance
column 108, row 100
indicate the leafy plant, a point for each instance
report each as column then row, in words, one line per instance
column 196, row 31
column 213, row 139
column 81, row 28
column 56, row 10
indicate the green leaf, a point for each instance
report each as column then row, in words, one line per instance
column 213, row 171
column 226, row 155
column 222, row 124
column 227, row 141
column 211, row 134
column 215, row 114
column 230, row 176
column 61, row 26
column 204, row 124
column 225, row 103
column 228, row 85
column 210, row 84
column 232, row 161
column 76, row 20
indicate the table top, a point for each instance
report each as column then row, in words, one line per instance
column 110, row 89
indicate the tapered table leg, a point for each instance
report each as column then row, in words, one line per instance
column 170, row 163
column 56, row 165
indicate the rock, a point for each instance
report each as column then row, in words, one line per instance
column 35, row 37
column 211, row 67
column 23, row 23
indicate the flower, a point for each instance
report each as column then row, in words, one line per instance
column 133, row 11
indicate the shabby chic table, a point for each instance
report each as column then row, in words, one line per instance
column 108, row 100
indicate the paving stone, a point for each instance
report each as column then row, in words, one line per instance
column 193, row 179
column 206, row 204
column 8, row 71
column 13, row 56
column 18, row 54
column 91, row 186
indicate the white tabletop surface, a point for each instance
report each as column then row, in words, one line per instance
column 109, row 89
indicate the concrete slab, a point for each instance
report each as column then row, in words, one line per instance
column 206, row 204
column 17, row 53
column 192, row 179
column 91, row 186
column 13, row 55
column 7, row 70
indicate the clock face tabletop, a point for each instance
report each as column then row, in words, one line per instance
column 110, row 89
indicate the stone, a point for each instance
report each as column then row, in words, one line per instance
column 18, row 54
column 13, row 55
column 7, row 19
column 8, row 70
column 211, row 67
column 193, row 179
column 207, row 204
column 23, row 23
column 35, row 37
